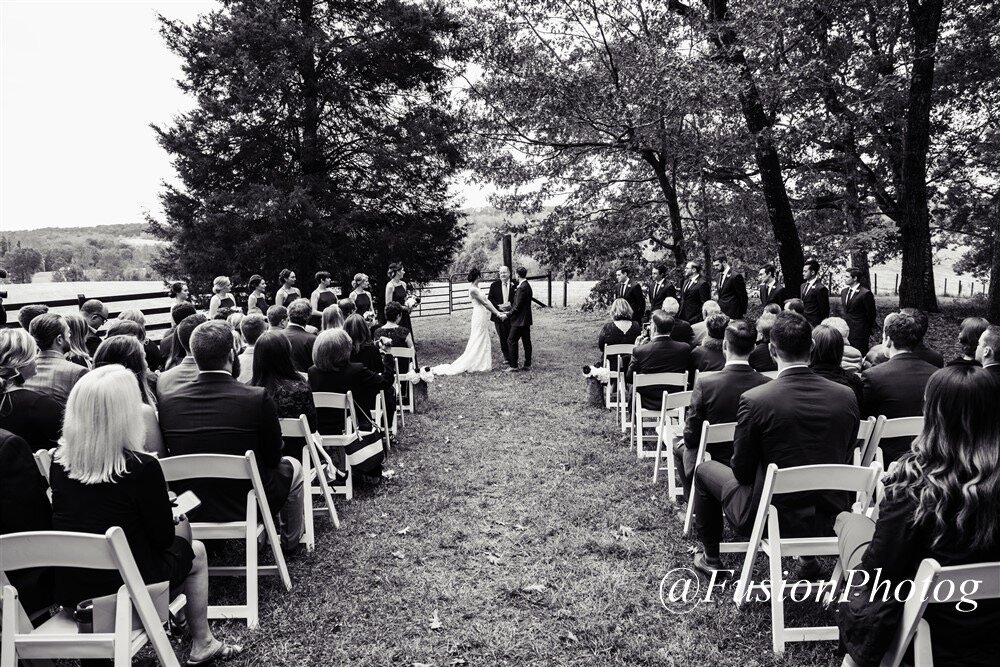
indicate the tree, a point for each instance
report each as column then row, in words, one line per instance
column 22, row 264
column 322, row 139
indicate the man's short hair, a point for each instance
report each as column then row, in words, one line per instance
column 791, row 336
column 522, row 272
column 671, row 306
column 968, row 335
column 300, row 311
column 662, row 268
column 276, row 315
column 923, row 322
column 663, row 323
column 813, row 265
column 772, row 308
column 715, row 325
column 904, row 331
column 211, row 345
column 181, row 310
column 795, row 306
column 252, row 327
column 347, row 307
column 696, row 264
column 855, row 272
column 187, row 327
column 769, row 269
column 46, row 328
column 992, row 339
column 721, row 259
column 29, row 313
column 332, row 349
column 93, row 307
column 740, row 338
column 710, row 308
column 623, row 269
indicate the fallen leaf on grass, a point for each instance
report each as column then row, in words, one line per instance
column 388, row 474
column 403, row 531
column 623, row 533
column 537, row 588
column 458, row 661
column 399, row 554
column 494, row 560
column 435, row 621
column 423, row 664
column 447, row 439
column 569, row 636
column 518, row 526
column 499, row 522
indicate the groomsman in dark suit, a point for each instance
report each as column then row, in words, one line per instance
column 732, row 289
column 770, row 290
column 520, row 322
column 659, row 289
column 695, row 292
column 631, row 292
column 501, row 295
column 859, row 311
column 814, row 294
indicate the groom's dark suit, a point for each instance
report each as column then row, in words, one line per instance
column 520, row 324
column 497, row 298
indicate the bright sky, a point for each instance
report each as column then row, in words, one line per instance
column 80, row 82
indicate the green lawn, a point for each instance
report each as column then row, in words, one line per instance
column 519, row 519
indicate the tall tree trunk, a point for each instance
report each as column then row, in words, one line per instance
column 854, row 215
column 658, row 163
column 916, row 286
column 311, row 150
column 993, row 313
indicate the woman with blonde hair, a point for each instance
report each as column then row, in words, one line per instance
column 100, row 478
column 78, row 331
column 621, row 330
column 362, row 297
column 221, row 297
column 333, row 318
column 32, row 415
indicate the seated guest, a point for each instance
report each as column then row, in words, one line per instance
column 761, row 359
column 852, row 355
column 187, row 370
column 30, row 312
column 795, row 306
column 988, row 350
column 621, row 330
column 699, row 329
column 96, row 314
column 154, row 359
column 235, row 320
column 896, row 388
column 273, row 370
column 772, row 308
column 708, row 356
column 968, row 339
column 333, row 371
column 302, row 341
column 398, row 335
column 129, row 328
column 277, row 318
column 878, row 354
column 78, row 331
column 126, row 351
column 333, row 318
column 216, row 414
column 347, row 307
column 252, row 328
column 363, row 351
column 662, row 354
column 715, row 399
column 172, row 351
column 24, row 506
column 29, row 414
column 940, row 503
column 826, row 360
column 682, row 328
column 102, row 478
column 798, row 419
column 54, row 374
column 933, row 357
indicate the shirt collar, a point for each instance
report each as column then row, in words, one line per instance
column 786, row 368
column 737, row 362
column 215, row 373
column 50, row 354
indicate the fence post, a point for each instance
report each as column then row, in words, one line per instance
column 565, row 291
column 550, row 289
column 875, row 284
column 449, row 296
column 946, row 287
column 895, row 287
column 80, row 298
column 960, row 288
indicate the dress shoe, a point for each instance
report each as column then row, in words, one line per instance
column 807, row 569
column 708, row 567
column 512, row 369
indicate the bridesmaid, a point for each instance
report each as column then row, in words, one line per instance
column 222, row 297
column 179, row 292
column 322, row 297
column 288, row 292
column 363, row 301
column 395, row 290
column 257, row 298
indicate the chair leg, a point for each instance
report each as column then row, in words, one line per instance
column 325, row 491
column 308, row 535
column 659, row 454
column 123, row 629
column 252, row 574
column 777, row 583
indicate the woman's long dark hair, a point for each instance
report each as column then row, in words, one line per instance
column 127, row 351
column 828, row 346
column 358, row 330
column 272, row 361
column 952, row 471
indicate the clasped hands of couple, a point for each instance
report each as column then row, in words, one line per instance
column 502, row 312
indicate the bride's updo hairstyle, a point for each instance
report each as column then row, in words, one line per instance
column 474, row 275
column 394, row 269
column 358, row 279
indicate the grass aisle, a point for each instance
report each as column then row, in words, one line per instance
column 518, row 529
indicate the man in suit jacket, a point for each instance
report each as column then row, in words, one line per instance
column 659, row 289
column 814, row 294
column 859, row 311
column 187, row 370
column 694, row 293
column 216, row 414
column 798, row 419
column 895, row 388
column 54, row 375
column 501, row 295
column 732, row 289
column 715, row 399
column 520, row 322
column 760, row 359
column 631, row 292
column 988, row 350
column 96, row 314
column 931, row 356
column 769, row 290
column 302, row 341
column 662, row 354
column 681, row 331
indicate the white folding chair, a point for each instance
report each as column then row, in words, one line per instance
column 670, row 422
column 782, row 481
column 222, row 466
column 326, row 400
column 613, row 390
column 698, row 374
column 313, row 476
column 929, row 588
column 891, row 428
column 407, row 405
column 380, row 415
column 711, row 434
column 644, row 418
column 123, row 623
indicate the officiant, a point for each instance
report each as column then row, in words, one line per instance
column 500, row 295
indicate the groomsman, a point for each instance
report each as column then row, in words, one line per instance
column 631, row 292
column 501, row 295
column 814, row 294
column 770, row 290
column 694, row 294
column 660, row 290
column 859, row 311
column 732, row 289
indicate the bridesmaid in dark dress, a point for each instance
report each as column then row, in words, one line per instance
column 363, row 302
column 223, row 298
column 395, row 290
column 257, row 298
column 288, row 292
column 322, row 297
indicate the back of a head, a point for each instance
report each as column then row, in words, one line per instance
column 212, row 345
column 93, row 307
column 78, row 330
column 772, row 308
column 838, row 323
column 124, row 350
column 795, row 306
column 46, row 328
column 252, row 327
column 332, row 349
column 903, row 331
column 740, row 339
column 17, row 350
column 522, row 272
column 30, row 312
column 333, row 317
column 276, row 315
column 791, row 337
column 133, row 315
column 357, row 329
column 710, row 308
column 300, row 311
column 347, row 306
column 663, row 323
column 272, row 359
column 621, row 310
column 473, row 275
column 920, row 317
column 968, row 336
column 180, row 311
column 765, row 323
column 715, row 325
column 187, row 327
column 671, row 306
column 127, row 328
column 828, row 346
column 393, row 311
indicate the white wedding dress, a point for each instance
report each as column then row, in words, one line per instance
column 478, row 355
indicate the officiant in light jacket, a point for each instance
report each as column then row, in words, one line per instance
column 501, row 295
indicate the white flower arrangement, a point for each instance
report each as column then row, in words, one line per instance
column 412, row 301
column 425, row 375
column 599, row 373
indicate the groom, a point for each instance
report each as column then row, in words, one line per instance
column 520, row 322
column 501, row 295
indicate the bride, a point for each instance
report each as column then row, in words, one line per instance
column 478, row 355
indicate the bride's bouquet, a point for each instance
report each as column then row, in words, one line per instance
column 596, row 378
column 369, row 317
